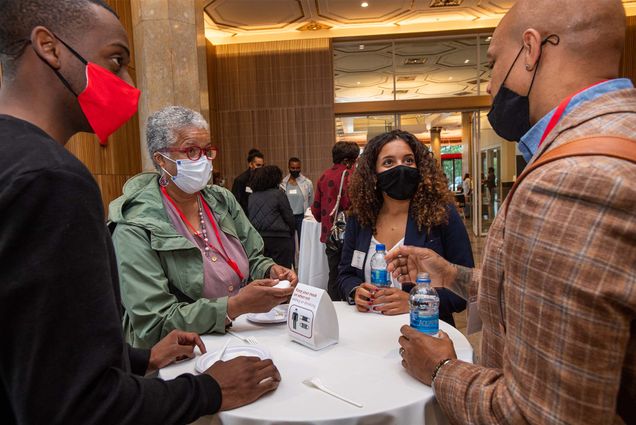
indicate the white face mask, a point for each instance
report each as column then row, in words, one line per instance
column 192, row 176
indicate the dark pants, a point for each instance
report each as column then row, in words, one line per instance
column 333, row 259
column 280, row 249
column 299, row 224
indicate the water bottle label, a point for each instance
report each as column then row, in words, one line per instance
column 428, row 324
column 379, row 277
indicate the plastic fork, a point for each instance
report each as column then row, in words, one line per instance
column 247, row 339
column 220, row 355
column 317, row 383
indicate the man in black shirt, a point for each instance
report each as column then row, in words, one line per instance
column 240, row 187
column 63, row 358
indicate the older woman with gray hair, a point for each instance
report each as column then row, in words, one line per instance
column 185, row 249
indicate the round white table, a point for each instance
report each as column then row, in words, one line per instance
column 313, row 269
column 364, row 366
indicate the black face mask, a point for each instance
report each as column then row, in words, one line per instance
column 294, row 174
column 510, row 112
column 399, row 182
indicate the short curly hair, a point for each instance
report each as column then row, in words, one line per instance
column 429, row 205
column 264, row 178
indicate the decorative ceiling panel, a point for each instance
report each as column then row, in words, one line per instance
column 351, row 11
column 362, row 62
column 236, row 21
column 423, row 68
column 263, row 15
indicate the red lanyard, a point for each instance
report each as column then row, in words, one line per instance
column 223, row 254
column 560, row 110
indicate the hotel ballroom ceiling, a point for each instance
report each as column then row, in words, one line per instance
column 236, row 21
column 423, row 69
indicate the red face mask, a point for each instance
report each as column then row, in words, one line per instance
column 107, row 102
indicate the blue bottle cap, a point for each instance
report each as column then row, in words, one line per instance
column 380, row 247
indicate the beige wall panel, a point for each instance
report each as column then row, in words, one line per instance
column 277, row 97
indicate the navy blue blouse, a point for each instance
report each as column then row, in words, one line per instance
column 449, row 240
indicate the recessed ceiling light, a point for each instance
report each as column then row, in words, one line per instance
column 364, row 4
column 450, row 78
column 467, row 60
column 362, row 47
column 358, row 82
column 488, row 38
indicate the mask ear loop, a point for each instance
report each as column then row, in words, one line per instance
column 163, row 180
column 512, row 66
column 62, row 79
column 552, row 39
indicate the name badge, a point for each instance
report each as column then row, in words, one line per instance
column 248, row 189
column 293, row 191
column 358, row 260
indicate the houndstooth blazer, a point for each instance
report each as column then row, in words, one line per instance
column 559, row 340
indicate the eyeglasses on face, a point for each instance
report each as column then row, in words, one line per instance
column 194, row 152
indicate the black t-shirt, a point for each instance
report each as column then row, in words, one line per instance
column 62, row 357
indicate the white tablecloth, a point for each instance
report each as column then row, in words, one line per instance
column 313, row 268
column 364, row 366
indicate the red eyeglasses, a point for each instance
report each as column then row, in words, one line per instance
column 194, row 152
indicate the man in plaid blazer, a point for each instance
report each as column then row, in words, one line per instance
column 557, row 287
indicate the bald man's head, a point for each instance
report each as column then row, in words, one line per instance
column 591, row 31
column 549, row 49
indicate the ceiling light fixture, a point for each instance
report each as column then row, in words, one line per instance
column 364, row 4
column 313, row 26
column 362, row 47
column 358, row 82
column 467, row 61
column 488, row 38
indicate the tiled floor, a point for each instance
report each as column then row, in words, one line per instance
column 460, row 318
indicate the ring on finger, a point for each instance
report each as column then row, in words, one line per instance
column 402, row 351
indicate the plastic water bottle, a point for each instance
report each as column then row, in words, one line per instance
column 379, row 274
column 424, row 304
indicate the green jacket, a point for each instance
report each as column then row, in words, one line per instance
column 161, row 272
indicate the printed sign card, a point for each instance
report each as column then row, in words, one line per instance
column 312, row 319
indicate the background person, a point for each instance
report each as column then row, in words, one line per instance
column 271, row 214
column 299, row 191
column 63, row 358
column 240, row 187
column 399, row 197
column 556, row 288
column 185, row 250
column 344, row 156
column 467, row 187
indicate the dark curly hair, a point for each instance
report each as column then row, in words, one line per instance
column 428, row 205
column 267, row 177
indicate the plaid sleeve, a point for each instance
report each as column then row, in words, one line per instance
column 570, row 300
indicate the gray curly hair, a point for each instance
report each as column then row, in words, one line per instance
column 163, row 125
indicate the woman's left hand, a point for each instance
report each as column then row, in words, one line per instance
column 283, row 273
column 394, row 300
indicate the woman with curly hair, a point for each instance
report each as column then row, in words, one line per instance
column 399, row 197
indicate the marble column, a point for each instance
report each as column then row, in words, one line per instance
column 170, row 54
column 436, row 143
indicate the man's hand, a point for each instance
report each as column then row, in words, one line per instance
column 421, row 353
column 243, row 380
column 405, row 262
column 177, row 345
column 364, row 296
column 283, row 273
column 394, row 301
column 257, row 297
